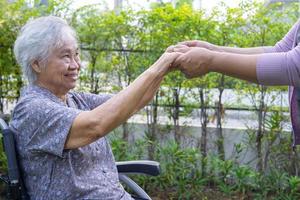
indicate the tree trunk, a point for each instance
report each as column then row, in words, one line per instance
column 176, row 115
column 294, row 163
column 203, row 140
column 92, row 75
column 1, row 95
column 260, row 131
column 152, row 127
column 125, row 131
column 118, row 6
column 219, row 113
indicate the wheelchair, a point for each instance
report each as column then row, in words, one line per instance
column 15, row 186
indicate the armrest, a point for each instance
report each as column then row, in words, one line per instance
column 140, row 166
column 141, row 194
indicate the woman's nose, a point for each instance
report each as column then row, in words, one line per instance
column 75, row 64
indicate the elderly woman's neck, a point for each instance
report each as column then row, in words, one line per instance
column 61, row 94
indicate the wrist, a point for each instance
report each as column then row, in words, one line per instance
column 212, row 61
column 217, row 48
column 158, row 70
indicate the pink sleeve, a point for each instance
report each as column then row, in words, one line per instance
column 280, row 65
column 281, row 68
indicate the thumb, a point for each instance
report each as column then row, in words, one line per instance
column 170, row 49
column 181, row 49
column 190, row 43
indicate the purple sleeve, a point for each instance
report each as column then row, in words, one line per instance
column 279, row 68
column 280, row 65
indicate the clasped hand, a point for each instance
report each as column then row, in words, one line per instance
column 194, row 60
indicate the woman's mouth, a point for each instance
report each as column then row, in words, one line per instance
column 72, row 76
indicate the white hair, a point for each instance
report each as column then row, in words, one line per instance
column 37, row 40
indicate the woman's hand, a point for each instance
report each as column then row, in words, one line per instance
column 199, row 43
column 194, row 62
column 165, row 63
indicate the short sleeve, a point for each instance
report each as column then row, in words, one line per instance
column 94, row 100
column 42, row 125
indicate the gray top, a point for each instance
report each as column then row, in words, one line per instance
column 41, row 123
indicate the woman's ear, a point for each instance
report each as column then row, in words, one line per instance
column 36, row 66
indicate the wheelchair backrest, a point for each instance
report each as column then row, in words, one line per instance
column 13, row 179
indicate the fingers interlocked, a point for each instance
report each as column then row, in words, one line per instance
column 192, row 59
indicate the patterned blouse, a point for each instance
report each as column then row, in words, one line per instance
column 41, row 123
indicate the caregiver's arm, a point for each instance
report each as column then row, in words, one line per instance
column 268, row 69
column 213, row 47
column 284, row 45
column 199, row 61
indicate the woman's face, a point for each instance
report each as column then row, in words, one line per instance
column 62, row 69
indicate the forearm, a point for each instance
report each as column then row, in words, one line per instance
column 89, row 126
column 235, row 65
column 117, row 110
column 236, row 50
column 152, row 89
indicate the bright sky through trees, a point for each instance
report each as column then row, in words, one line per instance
column 138, row 4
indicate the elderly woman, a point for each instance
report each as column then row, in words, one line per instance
column 60, row 134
